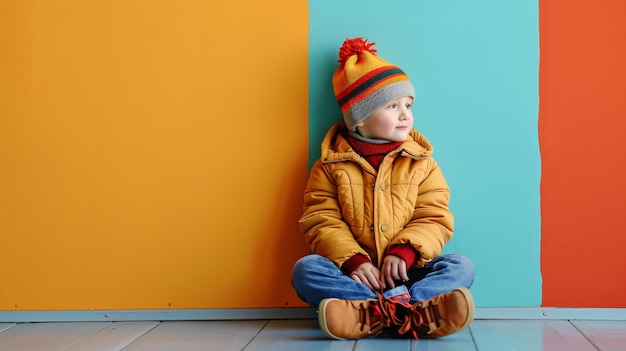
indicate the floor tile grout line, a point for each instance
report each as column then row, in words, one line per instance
column 87, row 336
column 473, row 339
column 140, row 336
column 584, row 336
column 255, row 335
column 8, row 327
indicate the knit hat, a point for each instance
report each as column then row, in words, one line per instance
column 364, row 82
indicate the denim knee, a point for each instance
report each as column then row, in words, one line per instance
column 298, row 269
column 463, row 266
column 306, row 264
column 304, row 268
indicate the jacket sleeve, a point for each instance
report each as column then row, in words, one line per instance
column 432, row 223
column 322, row 224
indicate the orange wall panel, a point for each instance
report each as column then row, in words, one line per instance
column 582, row 126
column 153, row 153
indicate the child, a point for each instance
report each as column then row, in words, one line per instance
column 376, row 216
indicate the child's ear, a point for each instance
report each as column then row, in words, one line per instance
column 357, row 128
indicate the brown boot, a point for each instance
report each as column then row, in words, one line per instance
column 443, row 314
column 350, row 319
column 355, row 319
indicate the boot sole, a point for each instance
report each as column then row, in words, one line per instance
column 470, row 305
column 321, row 318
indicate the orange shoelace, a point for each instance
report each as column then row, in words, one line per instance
column 406, row 317
column 365, row 317
column 429, row 317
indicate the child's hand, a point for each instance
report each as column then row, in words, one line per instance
column 394, row 269
column 369, row 275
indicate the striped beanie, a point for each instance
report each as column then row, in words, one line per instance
column 364, row 82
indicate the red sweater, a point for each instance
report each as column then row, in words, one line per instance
column 372, row 153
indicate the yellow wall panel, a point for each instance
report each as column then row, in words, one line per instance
column 152, row 153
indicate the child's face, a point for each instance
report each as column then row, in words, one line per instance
column 391, row 122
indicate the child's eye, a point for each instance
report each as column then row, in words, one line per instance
column 408, row 106
column 393, row 105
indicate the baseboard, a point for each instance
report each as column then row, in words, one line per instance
column 554, row 313
column 158, row 315
column 288, row 313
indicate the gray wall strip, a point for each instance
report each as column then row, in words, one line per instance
column 286, row 313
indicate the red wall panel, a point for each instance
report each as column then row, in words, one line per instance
column 582, row 121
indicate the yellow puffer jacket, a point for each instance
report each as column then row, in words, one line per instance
column 349, row 208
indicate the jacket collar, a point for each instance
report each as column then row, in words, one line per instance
column 335, row 147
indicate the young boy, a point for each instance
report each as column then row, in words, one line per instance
column 376, row 216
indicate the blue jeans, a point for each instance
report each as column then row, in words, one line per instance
column 315, row 278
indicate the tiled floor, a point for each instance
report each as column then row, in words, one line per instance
column 303, row 335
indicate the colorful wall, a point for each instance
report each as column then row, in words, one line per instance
column 154, row 153
column 474, row 65
column 150, row 158
column 581, row 126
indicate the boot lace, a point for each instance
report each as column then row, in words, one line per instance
column 403, row 317
column 365, row 318
column 429, row 317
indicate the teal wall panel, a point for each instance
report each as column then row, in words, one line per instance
column 474, row 65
